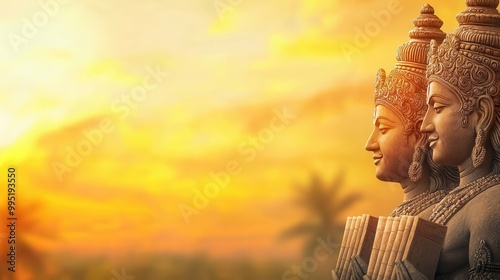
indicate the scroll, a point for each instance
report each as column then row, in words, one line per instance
column 380, row 242
column 359, row 235
column 424, row 246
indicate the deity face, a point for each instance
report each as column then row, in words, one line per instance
column 391, row 155
column 450, row 141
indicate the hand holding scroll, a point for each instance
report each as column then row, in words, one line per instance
column 359, row 268
column 406, row 271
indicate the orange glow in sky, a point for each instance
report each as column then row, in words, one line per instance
column 117, row 113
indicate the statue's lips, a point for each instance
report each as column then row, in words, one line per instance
column 432, row 142
column 376, row 159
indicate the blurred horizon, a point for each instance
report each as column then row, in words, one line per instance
column 115, row 115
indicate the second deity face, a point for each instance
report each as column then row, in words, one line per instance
column 392, row 150
column 450, row 141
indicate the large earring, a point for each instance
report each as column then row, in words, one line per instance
column 478, row 152
column 415, row 170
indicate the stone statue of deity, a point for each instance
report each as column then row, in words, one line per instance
column 463, row 127
column 400, row 150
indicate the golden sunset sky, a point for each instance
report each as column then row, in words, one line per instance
column 173, row 91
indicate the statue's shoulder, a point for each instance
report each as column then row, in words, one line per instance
column 487, row 199
column 484, row 210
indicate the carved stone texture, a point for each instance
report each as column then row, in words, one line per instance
column 483, row 265
column 417, row 204
column 460, row 196
column 468, row 61
column 403, row 90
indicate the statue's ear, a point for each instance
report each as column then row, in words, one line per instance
column 486, row 113
column 418, row 134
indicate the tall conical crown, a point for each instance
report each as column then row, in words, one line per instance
column 427, row 27
column 403, row 90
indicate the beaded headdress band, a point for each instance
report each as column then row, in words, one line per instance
column 468, row 61
column 404, row 89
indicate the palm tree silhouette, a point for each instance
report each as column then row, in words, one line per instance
column 323, row 205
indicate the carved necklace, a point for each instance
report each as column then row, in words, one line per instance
column 460, row 196
column 419, row 203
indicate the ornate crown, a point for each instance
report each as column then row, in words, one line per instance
column 468, row 61
column 404, row 89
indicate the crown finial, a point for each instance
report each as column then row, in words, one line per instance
column 427, row 9
column 427, row 25
column 480, row 12
column 482, row 3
